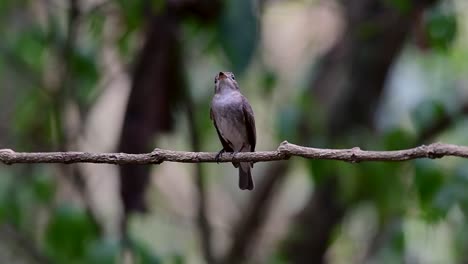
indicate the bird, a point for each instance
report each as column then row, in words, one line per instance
column 234, row 121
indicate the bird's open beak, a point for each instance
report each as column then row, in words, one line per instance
column 221, row 76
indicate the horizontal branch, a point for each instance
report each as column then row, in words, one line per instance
column 284, row 152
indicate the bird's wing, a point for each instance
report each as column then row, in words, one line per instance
column 249, row 123
column 224, row 142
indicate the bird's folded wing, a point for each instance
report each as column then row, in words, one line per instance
column 249, row 123
column 224, row 142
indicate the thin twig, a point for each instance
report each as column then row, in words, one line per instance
column 284, row 152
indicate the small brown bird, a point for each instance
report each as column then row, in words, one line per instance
column 234, row 121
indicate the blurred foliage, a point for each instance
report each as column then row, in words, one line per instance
column 441, row 28
column 143, row 255
column 80, row 232
column 404, row 6
column 238, row 32
column 425, row 113
column 32, row 64
column 398, row 139
column 85, row 72
column 31, row 128
column 103, row 251
column 34, row 51
column 453, row 192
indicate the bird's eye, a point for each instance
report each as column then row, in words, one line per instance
column 232, row 76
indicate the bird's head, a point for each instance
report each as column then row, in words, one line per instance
column 225, row 81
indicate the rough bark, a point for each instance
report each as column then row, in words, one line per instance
column 284, row 152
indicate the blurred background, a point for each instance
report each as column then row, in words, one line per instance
column 129, row 76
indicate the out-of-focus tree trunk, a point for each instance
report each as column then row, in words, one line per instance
column 349, row 84
column 156, row 85
column 157, row 88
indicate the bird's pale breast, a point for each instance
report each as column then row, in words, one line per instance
column 229, row 119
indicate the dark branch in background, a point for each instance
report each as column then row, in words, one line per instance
column 441, row 124
column 325, row 204
column 155, row 91
column 284, row 152
column 64, row 93
column 245, row 233
column 67, row 95
column 26, row 244
column 348, row 85
column 202, row 217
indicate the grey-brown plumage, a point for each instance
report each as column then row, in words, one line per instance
column 234, row 121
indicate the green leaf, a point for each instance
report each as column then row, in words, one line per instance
column 268, row 82
column 68, row 233
column 44, row 187
column 83, row 67
column 103, row 252
column 288, row 122
column 428, row 179
column 426, row 113
column 6, row 6
column 124, row 43
column 453, row 192
column 403, row 6
column 143, row 255
column 96, row 24
column 398, row 139
column 398, row 238
column 320, row 169
column 5, row 185
column 158, row 6
column 460, row 182
column 30, row 48
column 178, row 259
column 238, row 33
column 20, row 204
column 382, row 182
column 30, row 127
column 368, row 30
column 441, row 28
column 133, row 12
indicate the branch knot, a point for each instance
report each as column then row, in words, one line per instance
column 5, row 155
column 433, row 151
column 284, row 149
column 156, row 156
column 355, row 155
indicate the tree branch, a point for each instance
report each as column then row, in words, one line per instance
column 284, row 152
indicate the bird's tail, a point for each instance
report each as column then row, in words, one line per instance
column 245, row 176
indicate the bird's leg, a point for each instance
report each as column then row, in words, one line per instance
column 218, row 156
column 234, row 153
